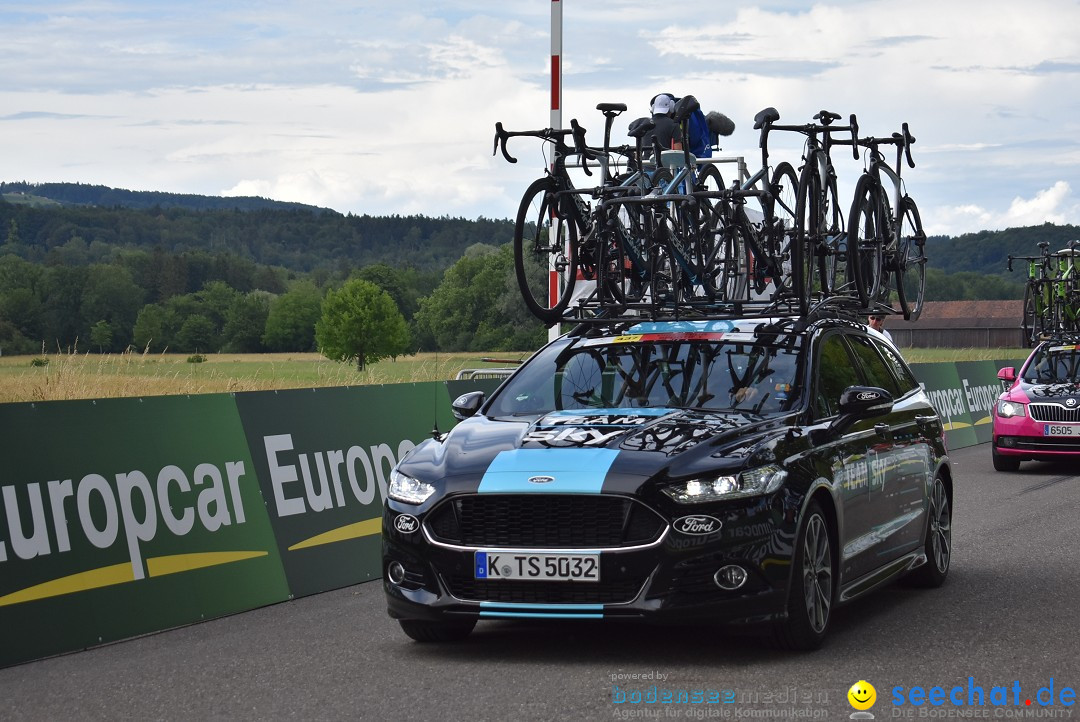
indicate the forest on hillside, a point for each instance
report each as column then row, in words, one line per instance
column 83, row 267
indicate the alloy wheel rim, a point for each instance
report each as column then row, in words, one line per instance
column 940, row 527
column 817, row 574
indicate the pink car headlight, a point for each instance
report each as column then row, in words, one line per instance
column 1009, row 409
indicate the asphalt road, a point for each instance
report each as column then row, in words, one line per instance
column 1007, row 614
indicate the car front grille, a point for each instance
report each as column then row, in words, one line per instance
column 527, row 592
column 543, row 521
column 1046, row 443
column 1055, row 413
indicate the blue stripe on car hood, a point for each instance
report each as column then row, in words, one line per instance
column 573, row 471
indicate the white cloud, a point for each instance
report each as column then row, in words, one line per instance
column 1055, row 204
column 386, row 108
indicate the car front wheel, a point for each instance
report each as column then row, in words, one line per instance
column 938, row 547
column 1004, row 463
column 810, row 599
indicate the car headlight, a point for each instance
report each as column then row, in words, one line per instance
column 409, row 490
column 1009, row 409
column 762, row 480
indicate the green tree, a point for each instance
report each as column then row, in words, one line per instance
column 478, row 306
column 402, row 285
column 197, row 333
column 290, row 323
column 101, row 335
column 361, row 322
column 112, row 296
column 150, row 329
column 245, row 323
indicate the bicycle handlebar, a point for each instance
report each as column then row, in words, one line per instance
column 579, row 145
column 903, row 142
column 554, row 135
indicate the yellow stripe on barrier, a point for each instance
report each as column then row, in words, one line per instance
column 91, row 579
column 954, row 425
column 350, row 531
column 176, row 563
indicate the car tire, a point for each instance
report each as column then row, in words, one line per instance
column 1004, row 463
column 422, row 630
column 938, row 545
column 813, row 586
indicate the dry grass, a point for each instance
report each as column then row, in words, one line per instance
column 92, row 376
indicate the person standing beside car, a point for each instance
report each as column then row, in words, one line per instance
column 877, row 323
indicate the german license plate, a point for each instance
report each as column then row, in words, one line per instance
column 1060, row 430
column 537, row 566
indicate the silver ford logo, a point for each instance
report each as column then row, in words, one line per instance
column 697, row 524
column 867, row 396
column 406, row 523
column 541, row 479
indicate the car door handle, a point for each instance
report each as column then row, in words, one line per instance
column 925, row 421
column 882, row 429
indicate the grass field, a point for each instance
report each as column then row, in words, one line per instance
column 92, row 376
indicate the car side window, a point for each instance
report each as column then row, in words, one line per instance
column 835, row 372
column 900, row 370
column 877, row 374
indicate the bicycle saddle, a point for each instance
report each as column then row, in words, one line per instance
column 769, row 115
column 640, row 127
column 608, row 107
column 826, row 117
column 686, row 105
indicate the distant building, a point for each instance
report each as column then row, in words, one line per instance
column 961, row 324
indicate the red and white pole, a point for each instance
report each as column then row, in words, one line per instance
column 556, row 122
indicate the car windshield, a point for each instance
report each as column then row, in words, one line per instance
column 714, row 372
column 1054, row 365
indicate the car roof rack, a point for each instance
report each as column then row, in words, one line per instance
column 1061, row 337
column 844, row 307
column 585, row 310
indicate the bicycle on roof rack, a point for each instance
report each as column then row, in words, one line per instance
column 1051, row 293
column 824, row 263
column 664, row 238
column 885, row 231
column 554, row 220
column 651, row 257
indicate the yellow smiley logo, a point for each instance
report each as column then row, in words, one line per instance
column 862, row 695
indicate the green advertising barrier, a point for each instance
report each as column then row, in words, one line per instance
column 126, row 516
column 323, row 459
column 963, row 393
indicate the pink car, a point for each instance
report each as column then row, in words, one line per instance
column 1038, row 417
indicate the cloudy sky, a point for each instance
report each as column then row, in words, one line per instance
column 389, row 107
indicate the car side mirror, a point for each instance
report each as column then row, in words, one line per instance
column 467, row 405
column 860, row 402
column 1007, row 376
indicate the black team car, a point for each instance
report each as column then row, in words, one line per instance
column 748, row 472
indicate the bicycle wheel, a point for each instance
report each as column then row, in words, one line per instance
column 807, row 237
column 864, row 241
column 709, row 179
column 835, row 278
column 666, row 279
column 785, row 186
column 910, row 260
column 1027, row 320
column 544, row 239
